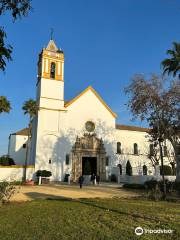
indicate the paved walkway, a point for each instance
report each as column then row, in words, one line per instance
column 27, row 193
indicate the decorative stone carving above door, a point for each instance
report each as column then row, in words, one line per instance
column 88, row 146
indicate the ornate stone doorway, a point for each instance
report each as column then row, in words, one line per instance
column 90, row 149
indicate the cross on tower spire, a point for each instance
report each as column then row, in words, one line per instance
column 51, row 34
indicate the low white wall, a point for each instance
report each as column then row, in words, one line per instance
column 15, row 173
column 138, row 179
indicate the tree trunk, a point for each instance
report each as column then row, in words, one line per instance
column 176, row 147
column 157, row 171
column 27, row 151
column 162, row 171
column 177, row 158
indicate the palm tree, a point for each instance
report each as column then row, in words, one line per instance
column 5, row 105
column 30, row 108
column 172, row 65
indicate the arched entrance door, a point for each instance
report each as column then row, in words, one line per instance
column 88, row 157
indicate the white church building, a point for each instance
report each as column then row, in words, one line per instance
column 78, row 137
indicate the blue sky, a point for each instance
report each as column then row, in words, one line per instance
column 105, row 43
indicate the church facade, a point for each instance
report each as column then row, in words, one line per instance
column 81, row 136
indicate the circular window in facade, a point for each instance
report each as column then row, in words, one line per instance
column 90, row 126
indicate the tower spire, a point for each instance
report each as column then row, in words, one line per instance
column 51, row 33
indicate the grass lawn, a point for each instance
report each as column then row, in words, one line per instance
column 88, row 219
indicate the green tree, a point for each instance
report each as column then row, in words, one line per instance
column 5, row 105
column 29, row 107
column 18, row 9
column 172, row 65
column 152, row 100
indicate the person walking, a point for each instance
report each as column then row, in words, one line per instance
column 69, row 179
column 81, row 180
column 98, row 179
column 93, row 179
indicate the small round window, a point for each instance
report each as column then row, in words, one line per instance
column 90, row 126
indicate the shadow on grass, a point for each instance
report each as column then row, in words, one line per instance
column 101, row 189
column 84, row 201
column 37, row 195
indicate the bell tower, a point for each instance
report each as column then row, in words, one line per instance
column 50, row 85
column 51, row 62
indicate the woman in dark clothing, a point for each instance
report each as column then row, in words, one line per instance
column 97, row 179
column 93, row 178
column 81, row 180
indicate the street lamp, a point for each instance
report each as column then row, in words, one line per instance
column 160, row 141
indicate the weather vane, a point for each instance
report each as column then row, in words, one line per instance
column 52, row 31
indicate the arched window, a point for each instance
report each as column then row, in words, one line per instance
column 67, row 159
column 120, row 168
column 165, row 151
column 24, row 145
column 128, row 168
column 144, row 170
column 118, row 147
column 107, row 161
column 135, row 149
column 53, row 70
column 151, row 149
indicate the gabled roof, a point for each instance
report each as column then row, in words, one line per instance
column 132, row 128
column 96, row 94
column 23, row 132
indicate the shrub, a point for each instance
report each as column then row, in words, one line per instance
column 151, row 184
column 7, row 190
column 17, row 183
column 167, row 170
column 153, row 190
column 169, row 186
column 43, row 173
column 176, row 186
column 113, row 178
column 133, row 186
column 155, row 194
column 6, row 161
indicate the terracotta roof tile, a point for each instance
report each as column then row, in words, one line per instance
column 132, row 128
column 23, row 132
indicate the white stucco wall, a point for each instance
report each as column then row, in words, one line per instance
column 16, row 150
column 15, row 173
column 57, row 131
column 50, row 93
column 127, row 139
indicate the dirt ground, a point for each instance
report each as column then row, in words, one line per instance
column 28, row 193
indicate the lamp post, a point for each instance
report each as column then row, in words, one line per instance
column 160, row 140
